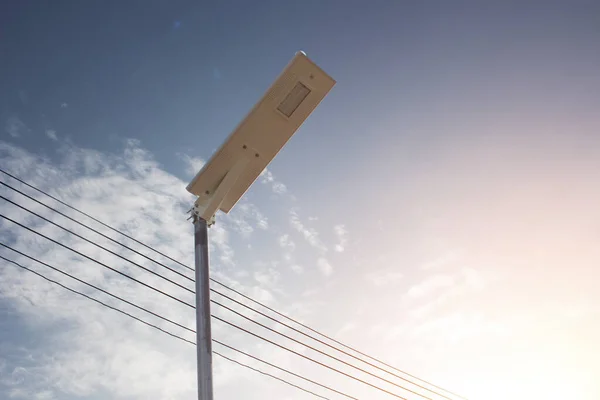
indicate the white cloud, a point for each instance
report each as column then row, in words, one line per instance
column 279, row 188
column 450, row 287
column 191, row 164
column 286, row 243
column 249, row 214
column 219, row 238
column 51, row 133
column 14, row 126
column 99, row 344
column 341, row 232
column 267, row 277
column 242, row 226
column 324, row 266
column 267, row 178
column 263, row 223
column 309, row 234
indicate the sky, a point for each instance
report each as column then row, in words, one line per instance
column 438, row 210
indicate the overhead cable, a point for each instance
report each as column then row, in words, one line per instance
column 231, row 310
column 309, row 358
column 219, row 318
column 93, row 218
column 240, row 294
column 94, row 287
column 322, row 342
column 337, row 342
column 100, row 246
column 319, row 351
column 95, row 230
column 96, row 261
column 190, row 342
column 93, row 299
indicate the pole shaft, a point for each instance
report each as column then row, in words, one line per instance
column 203, row 329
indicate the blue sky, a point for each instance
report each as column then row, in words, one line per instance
column 439, row 207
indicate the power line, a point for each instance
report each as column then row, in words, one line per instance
column 214, row 316
column 190, row 342
column 243, row 295
column 308, row 358
column 221, row 305
column 97, row 262
column 272, row 376
column 336, row 341
column 324, row 343
column 156, row 315
column 95, row 300
column 100, row 246
column 285, row 370
column 94, row 230
column 94, row 219
column 319, row 351
column 218, row 318
column 93, row 286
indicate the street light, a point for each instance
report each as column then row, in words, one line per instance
column 233, row 168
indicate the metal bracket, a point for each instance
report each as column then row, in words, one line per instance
column 206, row 207
column 196, row 212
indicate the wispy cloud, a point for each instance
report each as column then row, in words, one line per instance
column 279, row 188
column 14, row 126
column 286, row 242
column 219, row 237
column 267, row 178
column 51, row 134
column 324, row 266
column 251, row 212
column 99, row 344
column 245, row 217
column 309, row 234
column 452, row 286
column 341, row 232
column 191, row 164
column 267, row 277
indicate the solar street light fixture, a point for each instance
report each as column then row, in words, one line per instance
column 233, row 168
